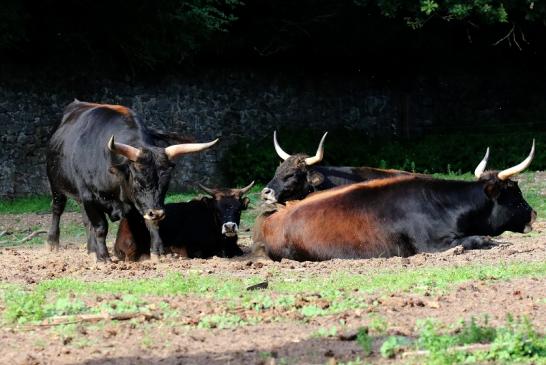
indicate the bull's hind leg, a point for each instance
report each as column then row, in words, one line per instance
column 98, row 231
column 58, row 203
column 91, row 243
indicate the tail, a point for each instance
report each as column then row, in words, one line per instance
column 164, row 139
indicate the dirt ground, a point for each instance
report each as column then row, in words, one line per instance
column 290, row 340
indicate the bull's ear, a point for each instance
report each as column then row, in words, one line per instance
column 492, row 189
column 207, row 200
column 115, row 170
column 315, row 178
column 245, row 202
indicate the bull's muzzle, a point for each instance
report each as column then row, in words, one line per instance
column 230, row 229
column 529, row 226
column 154, row 215
column 268, row 196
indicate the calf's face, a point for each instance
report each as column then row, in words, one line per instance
column 228, row 205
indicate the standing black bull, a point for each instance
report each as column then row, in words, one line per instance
column 298, row 176
column 107, row 176
column 199, row 228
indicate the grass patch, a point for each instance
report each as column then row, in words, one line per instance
column 417, row 280
column 470, row 342
column 517, row 341
column 337, row 293
column 33, row 204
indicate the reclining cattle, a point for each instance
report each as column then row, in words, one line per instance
column 106, row 159
column 399, row 216
column 297, row 176
column 195, row 229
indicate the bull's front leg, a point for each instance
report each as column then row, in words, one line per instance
column 98, row 230
column 473, row 242
column 157, row 249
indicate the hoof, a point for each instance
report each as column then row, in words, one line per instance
column 52, row 247
column 155, row 257
column 104, row 259
column 144, row 257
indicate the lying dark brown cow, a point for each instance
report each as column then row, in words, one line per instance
column 399, row 216
column 196, row 229
column 298, row 175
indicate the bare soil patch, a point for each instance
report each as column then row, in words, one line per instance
column 286, row 336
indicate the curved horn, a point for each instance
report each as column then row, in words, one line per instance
column 506, row 174
column 206, row 190
column 177, row 150
column 130, row 152
column 481, row 166
column 245, row 190
column 278, row 148
column 320, row 153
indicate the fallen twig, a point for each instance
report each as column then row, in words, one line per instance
column 61, row 320
column 27, row 238
column 466, row 348
column 31, row 236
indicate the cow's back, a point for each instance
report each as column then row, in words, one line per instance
column 78, row 157
column 191, row 225
column 345, row 222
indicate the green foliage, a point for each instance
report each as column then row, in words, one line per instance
column 325, row 332
column 475, row 333
column 517, row 342
column 378, row 324
column 487, row 11
column 364, row 340
column 126, row 304
column 143, row 33
column 393, row 345
column 64, row 306
column 312, row 311
column 220, row 321
column 22, row 306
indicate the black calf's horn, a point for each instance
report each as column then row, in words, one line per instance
column 246, row 188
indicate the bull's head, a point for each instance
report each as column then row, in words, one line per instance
column 146, row 172
column 228, row 205
column 510, row 211
column 294, row 179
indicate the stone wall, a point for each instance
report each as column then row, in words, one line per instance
column 226, row 106
column 231, row 104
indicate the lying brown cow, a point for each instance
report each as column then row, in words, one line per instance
column 399, row 216
column 197, row 229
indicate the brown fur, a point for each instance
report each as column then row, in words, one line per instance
column 327, row 224
column 117, row 108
